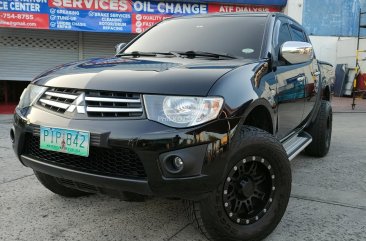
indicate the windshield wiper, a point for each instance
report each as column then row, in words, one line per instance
column 193, row 54
column 137, row 54
column 189, row 54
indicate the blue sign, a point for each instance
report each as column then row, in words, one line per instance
column 85, row 20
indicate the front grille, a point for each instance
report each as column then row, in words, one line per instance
column 94, row 103
column 58, row 99
column 114, row 162
column 113, row 104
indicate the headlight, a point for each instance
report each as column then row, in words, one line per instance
column 30, row 95
column 181, row 111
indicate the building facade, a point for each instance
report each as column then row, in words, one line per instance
column 332, row 26
column 36, row 35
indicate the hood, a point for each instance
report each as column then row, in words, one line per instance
column 174, row 76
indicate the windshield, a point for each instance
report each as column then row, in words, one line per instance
column 239, row 36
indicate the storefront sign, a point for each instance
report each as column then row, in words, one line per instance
column 280, row 3
column 126, row 16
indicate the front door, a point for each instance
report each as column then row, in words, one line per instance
column 311, row 71
column 291, row 80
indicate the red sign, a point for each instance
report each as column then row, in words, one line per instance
column 24, row 20
column 225, row 8
column 98, row 5
column 141, row 22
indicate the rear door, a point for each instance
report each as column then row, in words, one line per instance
column 291, row 81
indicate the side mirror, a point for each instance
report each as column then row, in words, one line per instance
column 297, row 52
column 119, row 47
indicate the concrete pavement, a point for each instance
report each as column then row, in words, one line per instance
column 344, row 105
column 328, row 200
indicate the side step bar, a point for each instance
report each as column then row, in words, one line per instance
column 295, row 144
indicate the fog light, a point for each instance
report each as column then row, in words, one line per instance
column 178, row 163
column 173, row 164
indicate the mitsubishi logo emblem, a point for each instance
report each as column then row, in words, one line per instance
column 78, row 104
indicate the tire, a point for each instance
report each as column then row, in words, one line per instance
column 254, row 152
column 321, row 131
column 51, row 184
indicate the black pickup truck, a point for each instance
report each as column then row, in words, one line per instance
column 209, row 109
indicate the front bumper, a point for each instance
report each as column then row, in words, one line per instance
column 204, row 148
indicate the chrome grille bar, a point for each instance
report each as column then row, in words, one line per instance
column 109, row 110
column 55, row 103
column 61, row 95
column 117, row 100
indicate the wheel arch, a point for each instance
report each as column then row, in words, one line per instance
column 260, row 114
column 326, row 93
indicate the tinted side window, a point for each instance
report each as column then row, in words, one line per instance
column 298, row 35
column 284, row 35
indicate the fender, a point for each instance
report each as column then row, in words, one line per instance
column 244, row 89
column 327, row 77
column 324, row 83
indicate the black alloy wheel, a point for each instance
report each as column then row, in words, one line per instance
column 252, row 196
column 248, row 191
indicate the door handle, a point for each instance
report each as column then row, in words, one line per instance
column 317, row 73
column 301, row 78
